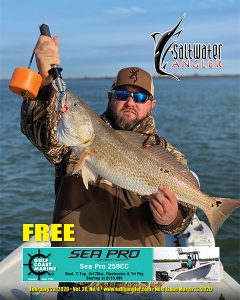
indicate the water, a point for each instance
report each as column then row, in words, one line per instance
column 199, row 115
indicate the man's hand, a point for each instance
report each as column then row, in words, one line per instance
column 47, row 55
column 164, row 206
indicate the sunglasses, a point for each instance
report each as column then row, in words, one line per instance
column 123, row 95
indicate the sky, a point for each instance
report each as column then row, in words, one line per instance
column 97, row 38
column 171, row 252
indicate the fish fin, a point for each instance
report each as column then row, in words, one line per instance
column 155, row 33
column 160, row 153
column 88, row 175
column 133, row 137
column 169, row 161
column 222, row 208
column 164, row 67
column 78, row 166
column 177, row 33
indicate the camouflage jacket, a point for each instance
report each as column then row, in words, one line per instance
column 104, row 215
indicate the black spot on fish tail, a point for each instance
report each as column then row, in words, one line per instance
column 221, row 209
column 216, row 204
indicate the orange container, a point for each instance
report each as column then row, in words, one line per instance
column 25, row 82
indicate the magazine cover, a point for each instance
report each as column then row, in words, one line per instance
column 119, row 150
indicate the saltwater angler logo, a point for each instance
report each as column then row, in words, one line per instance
column 188, row 55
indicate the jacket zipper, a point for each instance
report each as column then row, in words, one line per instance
column 115, row 223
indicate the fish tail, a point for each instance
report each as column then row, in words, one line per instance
column 222, row 208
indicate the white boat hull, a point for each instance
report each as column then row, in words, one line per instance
column 193, row 274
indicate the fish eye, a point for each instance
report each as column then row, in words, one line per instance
column 76, row 104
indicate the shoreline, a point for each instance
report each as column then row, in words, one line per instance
column 157, row 77
column 154, row 77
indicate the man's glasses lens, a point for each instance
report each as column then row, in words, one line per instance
column 124, row 95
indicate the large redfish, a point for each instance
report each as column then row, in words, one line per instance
column 118, row 157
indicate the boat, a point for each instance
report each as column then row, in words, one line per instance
column 197, row 271
column 193, row 274
column 12, row 287
column 199, row 234
column 183, row 273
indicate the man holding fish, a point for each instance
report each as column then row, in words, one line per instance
column 94, row 190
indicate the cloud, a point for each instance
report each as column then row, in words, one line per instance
column 125, row 11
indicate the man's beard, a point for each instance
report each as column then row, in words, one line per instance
column 122, row 122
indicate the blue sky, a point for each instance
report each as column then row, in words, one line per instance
column 97, row 38
column 171, row 252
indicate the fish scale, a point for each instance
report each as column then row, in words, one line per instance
column 112, row 165
column 119, row 157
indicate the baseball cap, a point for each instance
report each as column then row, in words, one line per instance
column 134, row 76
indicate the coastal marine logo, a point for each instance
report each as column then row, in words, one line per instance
column 39, row 265
column 188, row 55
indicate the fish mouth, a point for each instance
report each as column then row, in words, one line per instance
column 64, row 108
column 64, row 104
